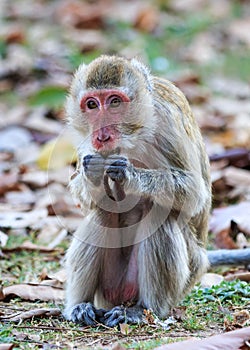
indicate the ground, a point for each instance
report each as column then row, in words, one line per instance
column 203, row 46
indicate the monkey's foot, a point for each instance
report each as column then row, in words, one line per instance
column 121, row 314
column 84, row 313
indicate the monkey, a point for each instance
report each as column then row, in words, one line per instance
column 143, row 184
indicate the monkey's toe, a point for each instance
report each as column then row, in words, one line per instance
column 83, row 313
column 120, row 314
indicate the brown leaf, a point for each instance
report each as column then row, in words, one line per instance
column 221, row 217
column 13, row 138
column 29, row 246
column 3, row 239
column 229, row 107
column 22, row 220
column 231, row 238
column 147, row 19
column 35, row 313
column 240, row 29
column 82, row 15
column 201, row 50
column 125, row 328
column 149, row 316
column 15, row 34
column 55, row 280
column 23, row 196
column 240, row 319
column 211, row 279
column 33, row 292
column 9, row 182
column 224, row 241
column 179, row 313
column 243, row 276
column 229, row 341
column 6, row 346
column 228, row 86
column 237, row 177
column 35, row 179
column 238, row 157
column 59, row 276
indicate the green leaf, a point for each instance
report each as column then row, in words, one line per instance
column 50, row 96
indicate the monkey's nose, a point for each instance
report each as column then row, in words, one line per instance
column 103, row 135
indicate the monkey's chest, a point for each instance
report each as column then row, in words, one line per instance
column 119, row 283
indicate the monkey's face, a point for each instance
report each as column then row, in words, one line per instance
column 108, row 113
column 111, row 105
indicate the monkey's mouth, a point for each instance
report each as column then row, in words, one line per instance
column 106, row 152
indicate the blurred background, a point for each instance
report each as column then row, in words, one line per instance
column 203, row 46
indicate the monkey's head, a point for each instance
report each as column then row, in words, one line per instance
column 110, row 104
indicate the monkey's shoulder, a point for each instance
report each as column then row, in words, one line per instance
column 170, row 93
column 171, row 103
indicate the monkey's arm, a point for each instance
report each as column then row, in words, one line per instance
column 170, row 187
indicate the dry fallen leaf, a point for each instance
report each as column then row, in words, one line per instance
column 221, row 217
column 56, row 154
column 237, row 177
column 147, row 19
column 125, row 328
column 242, row 276
column 35, row 313
column 35, row 179
column 20, row 219
column 6, row 346
column 211, row 279
column 33, row 292
column 9, row 182
column 3, row 239
column 240, row 319
column 29, row 246
column 228, row 341
column 240, row 29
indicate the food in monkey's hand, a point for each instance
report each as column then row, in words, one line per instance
column 143, row 184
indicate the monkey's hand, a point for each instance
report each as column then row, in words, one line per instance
column 118, row 168
column 121, row 314
column 93, row 166
column 84, row 313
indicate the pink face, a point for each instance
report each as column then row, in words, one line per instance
column 104, row 110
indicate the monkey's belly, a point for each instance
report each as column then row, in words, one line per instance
column 120, row 276
column 122, row 294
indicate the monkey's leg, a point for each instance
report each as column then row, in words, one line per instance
column 164, row 272
column 83, row 263
column 122, row 314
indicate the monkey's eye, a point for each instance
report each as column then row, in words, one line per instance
column 115, row 102
column 91, row 104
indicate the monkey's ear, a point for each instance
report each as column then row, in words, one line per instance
column 144, row 70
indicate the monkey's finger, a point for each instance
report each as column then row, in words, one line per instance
column 84, row 313
column 117, row 160
column 116, row 175
column 92, row 159
column 115, row 167
column 114, row 321
column 115, row 316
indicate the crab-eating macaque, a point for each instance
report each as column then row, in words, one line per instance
column 143, row 184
